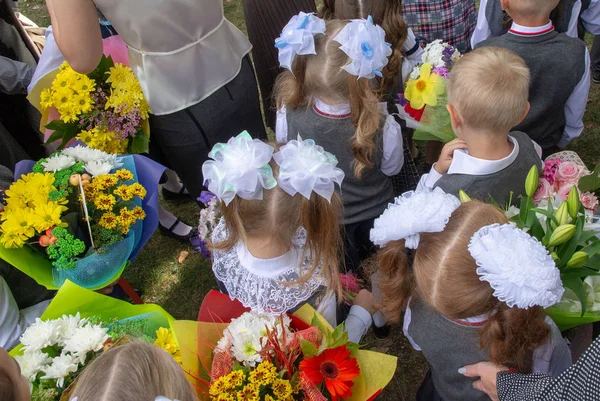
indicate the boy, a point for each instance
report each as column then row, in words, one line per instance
column 487, row 96
column 560, row 73
column 492, row 21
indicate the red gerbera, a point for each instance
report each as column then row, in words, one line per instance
column 334, row 366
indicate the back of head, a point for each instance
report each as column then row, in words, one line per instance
column 278, row 216
column 530, row 8
column 8, row 388
column 489, row 88
column 387, row 14
column 133, row 372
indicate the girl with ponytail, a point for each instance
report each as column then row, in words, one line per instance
column 278, row 245
column 475, row 290
column 328, row 95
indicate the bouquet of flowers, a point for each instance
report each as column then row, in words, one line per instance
column 82, row 210
column 267, row 358
column 57, row 347
column 209, row 219
column 105, row 109
column 427, row 87
column 562, row 220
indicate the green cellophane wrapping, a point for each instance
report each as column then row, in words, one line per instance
column 435, row 125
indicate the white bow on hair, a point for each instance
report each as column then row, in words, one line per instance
column 298, row 37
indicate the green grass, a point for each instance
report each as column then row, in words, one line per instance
column 180, row 288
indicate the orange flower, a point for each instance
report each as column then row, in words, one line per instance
column 336, row 368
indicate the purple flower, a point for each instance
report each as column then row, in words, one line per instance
column 441, row 71
column 401, row 100
column 205, row 197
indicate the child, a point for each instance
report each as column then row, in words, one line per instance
column 277, row 245
column 13, row 385
column 492, row 21
column 487, row 96
column 134, row 371
column 329, row 97
column 475, row 292
column 559, row 84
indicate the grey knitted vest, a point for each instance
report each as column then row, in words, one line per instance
column 557, row 65
column 497, row 185
column 498, row 20
column 363, row 198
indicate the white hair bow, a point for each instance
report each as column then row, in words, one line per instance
column 364, row 42
column 517, row 266
column 414, row 213
column 305, row 167
column 163, row 398
column 298, row 37
column 239, row 168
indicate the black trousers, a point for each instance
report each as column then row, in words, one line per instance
column 357, row 245
column 186, row 137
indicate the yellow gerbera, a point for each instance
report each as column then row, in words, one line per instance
column 12, row 240
column 83, row 103
column 48, row 215
column 19, row 221
column 424, row 90
column 46, row 98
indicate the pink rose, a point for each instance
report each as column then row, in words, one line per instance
column 544, row 190
column 589, row 201
column 563, row 192
column 568, row 172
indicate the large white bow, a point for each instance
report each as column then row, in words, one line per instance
column 517, row 266
column 240, row 167
column 305, row 167
column 298, row 37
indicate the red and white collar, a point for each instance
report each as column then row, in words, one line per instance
column 520, row 30
column 337, row 111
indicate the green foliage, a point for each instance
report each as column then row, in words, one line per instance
column 65, row 249
column 590, row 183
column 139, row 143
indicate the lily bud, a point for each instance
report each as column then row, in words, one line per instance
column 562, row 214
column 573, row 202
column 562, row 234
column 531, row 183
column 578, row 259
column 464, row 198
column 554, row 256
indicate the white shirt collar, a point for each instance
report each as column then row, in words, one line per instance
column 268, row 268
column 334, row 110
column 462, row 163
column 520, row 30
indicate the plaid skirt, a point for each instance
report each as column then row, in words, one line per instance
column 452, row 21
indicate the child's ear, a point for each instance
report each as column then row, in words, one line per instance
column 525, row 113
column 454, row 117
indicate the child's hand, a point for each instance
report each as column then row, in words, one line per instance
column 366, row 300
column 443, row 163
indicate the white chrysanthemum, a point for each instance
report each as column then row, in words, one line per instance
column 61, row 367
column 84, row 154
column 86, row 339
column 32, row 363
column 40, row 335
column 67, row 325
column 98, row 167
column 58, row 162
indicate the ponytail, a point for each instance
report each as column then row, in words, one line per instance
column 289, row 87
column 367, row 120
column 234, row 224
column 396, row 280
column 321, row 220
column 512, row 334
column 396, row 32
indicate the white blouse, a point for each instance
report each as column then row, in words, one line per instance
column 182, row 51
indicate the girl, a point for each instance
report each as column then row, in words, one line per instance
column 329, row 97
column 135, row 371
column 277, row 244
column 476, row 290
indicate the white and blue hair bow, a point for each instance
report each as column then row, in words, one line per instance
column 364, row 42
column 239, row 168
column 298, row 37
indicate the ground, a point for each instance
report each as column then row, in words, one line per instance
column 180, row 287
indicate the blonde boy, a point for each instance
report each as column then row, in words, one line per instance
column 560, row 73
column 487, row 96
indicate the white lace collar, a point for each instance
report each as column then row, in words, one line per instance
column 257, row 283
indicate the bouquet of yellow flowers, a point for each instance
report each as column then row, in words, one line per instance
column 77, row 215
column 105, row 109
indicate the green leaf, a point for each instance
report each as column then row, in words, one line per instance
column 567, row 250
column 593, row 263
column 139, row 143
column 55, row 136
column 353, row 347
column 590, row 183
column 592, row 249
column 524, row 209
column 56, row 125
column 576, row 285
column 309, row 349
column 546, row 213
column 587, row 236
column 537, row 231
column 578, row 273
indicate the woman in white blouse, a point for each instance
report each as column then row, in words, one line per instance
column 192, row 63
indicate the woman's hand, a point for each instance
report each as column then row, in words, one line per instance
column 487, row 372
column 77, row 32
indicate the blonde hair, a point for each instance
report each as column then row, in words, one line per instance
column 444, row 276
column 135, row 371
column 387, row 14
column 278, row 216
column 489, row 88
column 322, row 76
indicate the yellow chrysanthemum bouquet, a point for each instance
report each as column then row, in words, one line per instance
column 80, row 213
column 105, row 109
